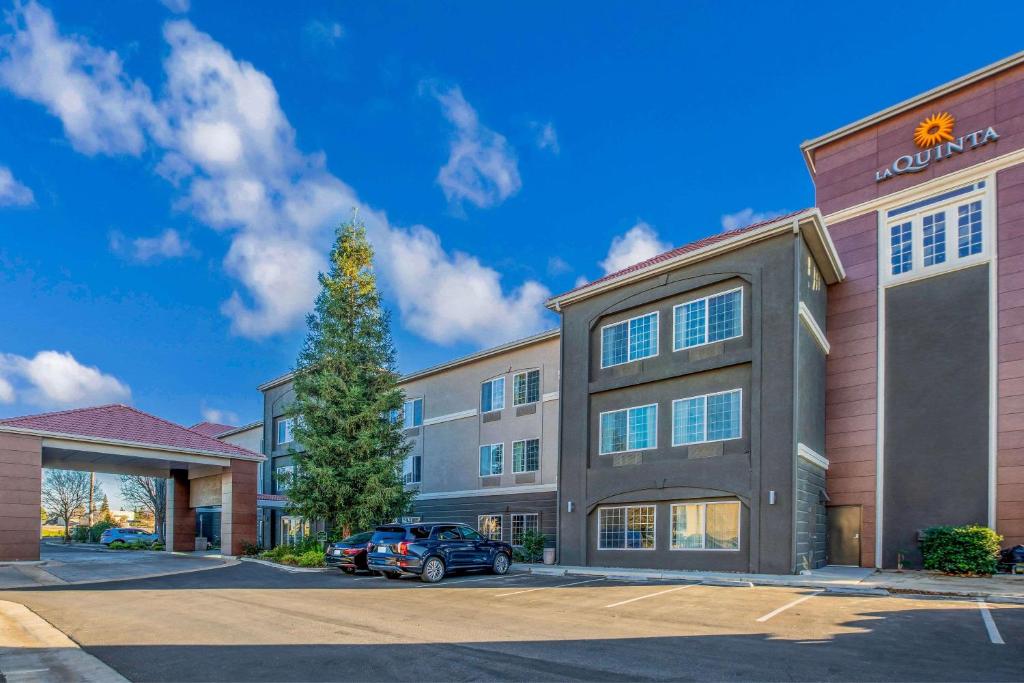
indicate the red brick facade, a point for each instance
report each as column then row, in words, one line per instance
column 20, row 472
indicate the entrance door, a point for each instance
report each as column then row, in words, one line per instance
column 844, row 535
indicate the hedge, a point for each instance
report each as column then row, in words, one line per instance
column 970, row 549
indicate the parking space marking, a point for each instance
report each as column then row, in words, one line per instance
column 785, row 607
column 990, row 624
column 651, row 595
column 442, row 584
column 542, row 588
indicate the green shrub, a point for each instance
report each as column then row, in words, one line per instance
column 970, row 549
column 251, row 549
column 533, row 545
column 289, row 559
column 97, row 529
column 312, row 558
column 158, row 546
column 277, row 553
column 117, row 545
column 80, row 534
column 138, row 545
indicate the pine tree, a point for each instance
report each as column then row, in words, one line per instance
column 349, row 471
column 105, row 510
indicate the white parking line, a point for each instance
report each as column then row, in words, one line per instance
column 542, row 588
column 785, row 607
column 442, row 584
column 990, row 624
column 652, row 595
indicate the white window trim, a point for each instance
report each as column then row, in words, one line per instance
column 707, row 320
column 525, row 373
column 704, row 526
column 628, row 507
column 705, row 397
column 657, row 345
column 501, row 525
column 493, row 409
column 523, row 441
column 600, row 430
column 422, row 408
column 954, row 262
column 503, row 459
column 812, row 326
column 511, row 523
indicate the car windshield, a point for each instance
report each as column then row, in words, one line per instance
column 359, row 539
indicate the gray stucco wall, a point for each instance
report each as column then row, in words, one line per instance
column 467, row 509
column 936, row 407
column 762, row 361
column 811, row 520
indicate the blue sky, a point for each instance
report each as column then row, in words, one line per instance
column 170, row 175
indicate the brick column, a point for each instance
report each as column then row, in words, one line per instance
column 21, row 462
column 181, row 520
column 238, row 506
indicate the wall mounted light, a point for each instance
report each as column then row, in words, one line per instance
column 771, row 497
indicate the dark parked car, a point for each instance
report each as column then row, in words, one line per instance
column 349, row 554
column 432, row 550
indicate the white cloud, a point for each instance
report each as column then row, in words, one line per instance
column 227, row 144
column 558, row 266
column 168, row 244
column 638, row 244
column 52, row 379
column 218, row 416
column 12, row 192
column 102, row 110
column 580, row 281
column 547, row 136
column 177, row 6
column 748, row 216
column 482, row 167
column 324, row 33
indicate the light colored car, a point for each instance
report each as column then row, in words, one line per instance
column 127, row 534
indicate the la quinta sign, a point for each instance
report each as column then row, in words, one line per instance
column 934, row 136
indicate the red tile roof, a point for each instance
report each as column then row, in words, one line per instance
column 211, row 428
column 123, row 423
column 679, row 251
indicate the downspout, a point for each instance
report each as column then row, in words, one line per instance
column 796, row 396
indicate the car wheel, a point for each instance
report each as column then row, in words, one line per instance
column 392, row 575
column 348, row 571
column 501, row 564
column 433, row 570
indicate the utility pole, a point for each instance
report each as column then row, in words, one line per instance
column 92, row 487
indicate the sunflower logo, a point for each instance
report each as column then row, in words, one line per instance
column 934, row 130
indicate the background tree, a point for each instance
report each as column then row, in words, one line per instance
column 149, row 494
column 65, row 495
column 43, row 516
column 349, row 472
column 105, row 510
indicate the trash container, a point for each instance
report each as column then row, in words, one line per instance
column 549, row 555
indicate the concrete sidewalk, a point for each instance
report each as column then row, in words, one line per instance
column 999, row 588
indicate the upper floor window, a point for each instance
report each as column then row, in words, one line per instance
column 283, row 476
column 411, row 469
column 937, row 233
column 712, row 417
column 492, row 459
column 411, row 414
column 285, row 430
column 709, row 319
column 629, row 340
column 492, row 395
column 630, row 429
column 526, row 455
column 525, row 387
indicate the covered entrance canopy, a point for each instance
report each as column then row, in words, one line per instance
column 118, row 439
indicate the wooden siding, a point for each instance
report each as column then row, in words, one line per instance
column 851, row 404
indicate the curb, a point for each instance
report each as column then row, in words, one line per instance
column 285, row 567
column 156, row 575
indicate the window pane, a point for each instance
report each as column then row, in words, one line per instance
column 614, row 344
column 723, row 526
column 613, row 431
column 518, row 389
column 533, row 386
column 498, row 393
column 934, row 238
column 518, row 455
column 901, row 248
column 643, row 425
column 688, row 527
column 693, row 323
column 969, row 229
column 522, row 523
column 485, row 397
column 692, row 420
column 611, row 528
column 411, row 469
column 532, row 455
column 485, row 461
column 643, row 337
column 640, row 527
column 497, row 458
column 490, row 526
column 417, row 412
column 725, row 315
column 724, row 416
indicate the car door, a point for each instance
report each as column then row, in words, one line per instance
column 480, row 548
column 457, row 551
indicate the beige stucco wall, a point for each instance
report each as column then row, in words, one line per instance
column 205, row 491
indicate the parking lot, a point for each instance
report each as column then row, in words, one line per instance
column 252, row 622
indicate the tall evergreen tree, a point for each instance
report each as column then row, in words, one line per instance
column 349, row 469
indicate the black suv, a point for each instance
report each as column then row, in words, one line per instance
column 432, row 550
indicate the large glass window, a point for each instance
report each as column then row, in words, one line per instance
column 629, row 429
column 629, row 527
column 525, row 387
column 706, row 526
column 526, row 455
column 629, row 340
column 492, row 459
column 492, row 395
column 712, row 417
column 521, row 523
column 489, row 526
column 411, row 469
column 285, row 430
column 707, row 320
